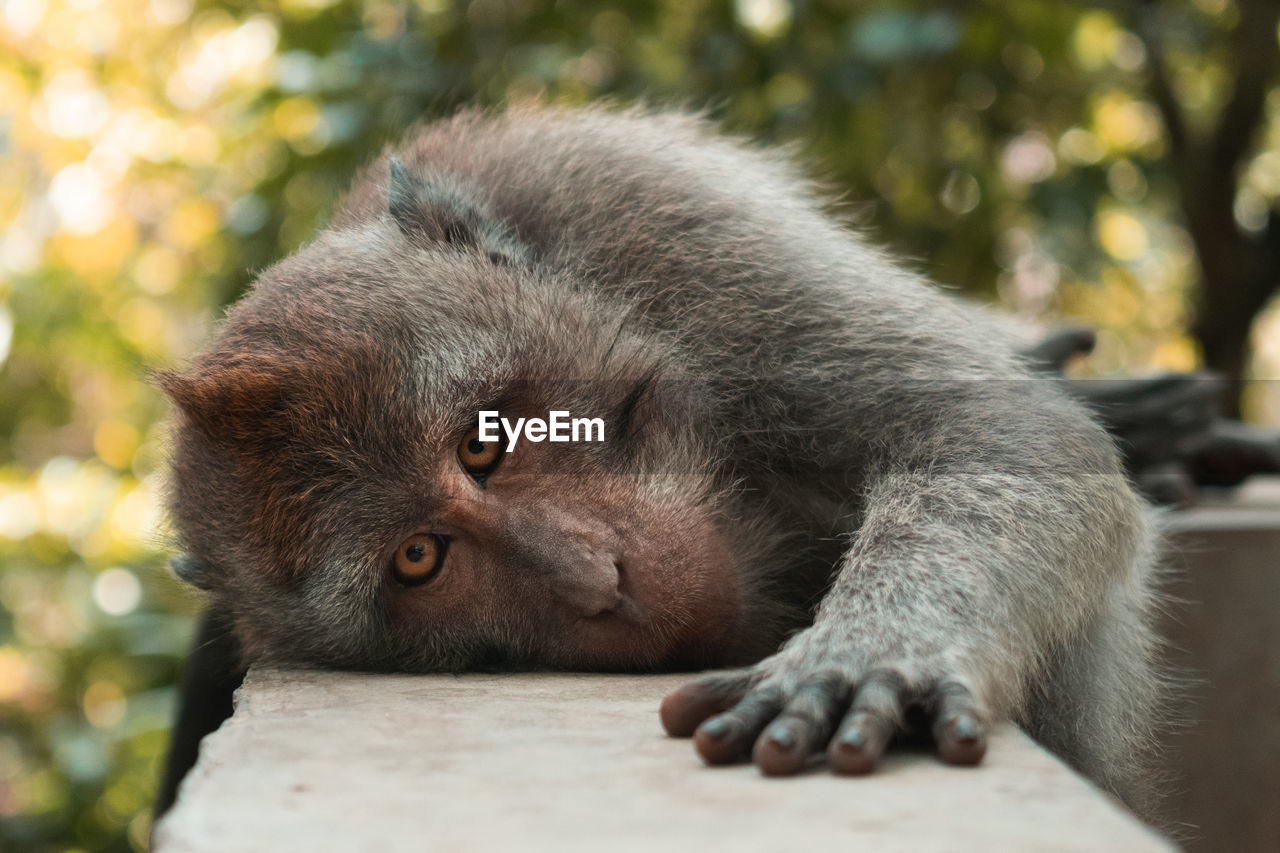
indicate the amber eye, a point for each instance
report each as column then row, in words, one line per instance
column 419, row 558
column 479, row 457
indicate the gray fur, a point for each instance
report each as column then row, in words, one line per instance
column 830, row 409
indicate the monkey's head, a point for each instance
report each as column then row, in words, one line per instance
column 330, row 493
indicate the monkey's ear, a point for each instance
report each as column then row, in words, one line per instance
column 410, row 204
column 438, row 210
column 228, row 405
column 193, row 570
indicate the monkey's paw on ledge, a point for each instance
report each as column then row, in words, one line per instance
column 321, row 761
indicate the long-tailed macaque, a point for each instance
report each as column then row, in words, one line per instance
column 814, row 467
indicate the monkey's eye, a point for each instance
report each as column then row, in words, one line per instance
column 419, row 558
column 479, row 458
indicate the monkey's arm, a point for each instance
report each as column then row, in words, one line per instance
column 210, row 677
column 985, row 548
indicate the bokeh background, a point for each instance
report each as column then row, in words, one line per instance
column 1111, row 163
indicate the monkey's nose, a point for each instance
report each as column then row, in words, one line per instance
column 589, row 588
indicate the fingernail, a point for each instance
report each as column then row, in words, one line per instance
column 965, row 729
column 715, row 727
column 854, row 738
column 782, row 735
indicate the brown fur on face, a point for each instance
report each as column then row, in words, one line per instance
column 574, row 573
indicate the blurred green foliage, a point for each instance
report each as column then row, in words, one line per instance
column 155, row 152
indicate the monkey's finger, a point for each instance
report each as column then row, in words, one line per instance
column 959, row 727
column 728, row 736
column 804, row 726
column 683, row 710
column 876, row 713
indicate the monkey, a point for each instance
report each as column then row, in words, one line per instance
column 840, row 488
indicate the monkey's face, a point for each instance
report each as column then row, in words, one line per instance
column 547, row 554
column 332, row 494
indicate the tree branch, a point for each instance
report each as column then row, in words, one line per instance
column 1257, row 57
column 1148, row 25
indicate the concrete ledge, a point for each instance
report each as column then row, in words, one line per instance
column 334, row 761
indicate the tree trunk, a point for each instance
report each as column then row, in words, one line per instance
column 1239, row 271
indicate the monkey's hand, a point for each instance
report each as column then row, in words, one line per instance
column 798, row 703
